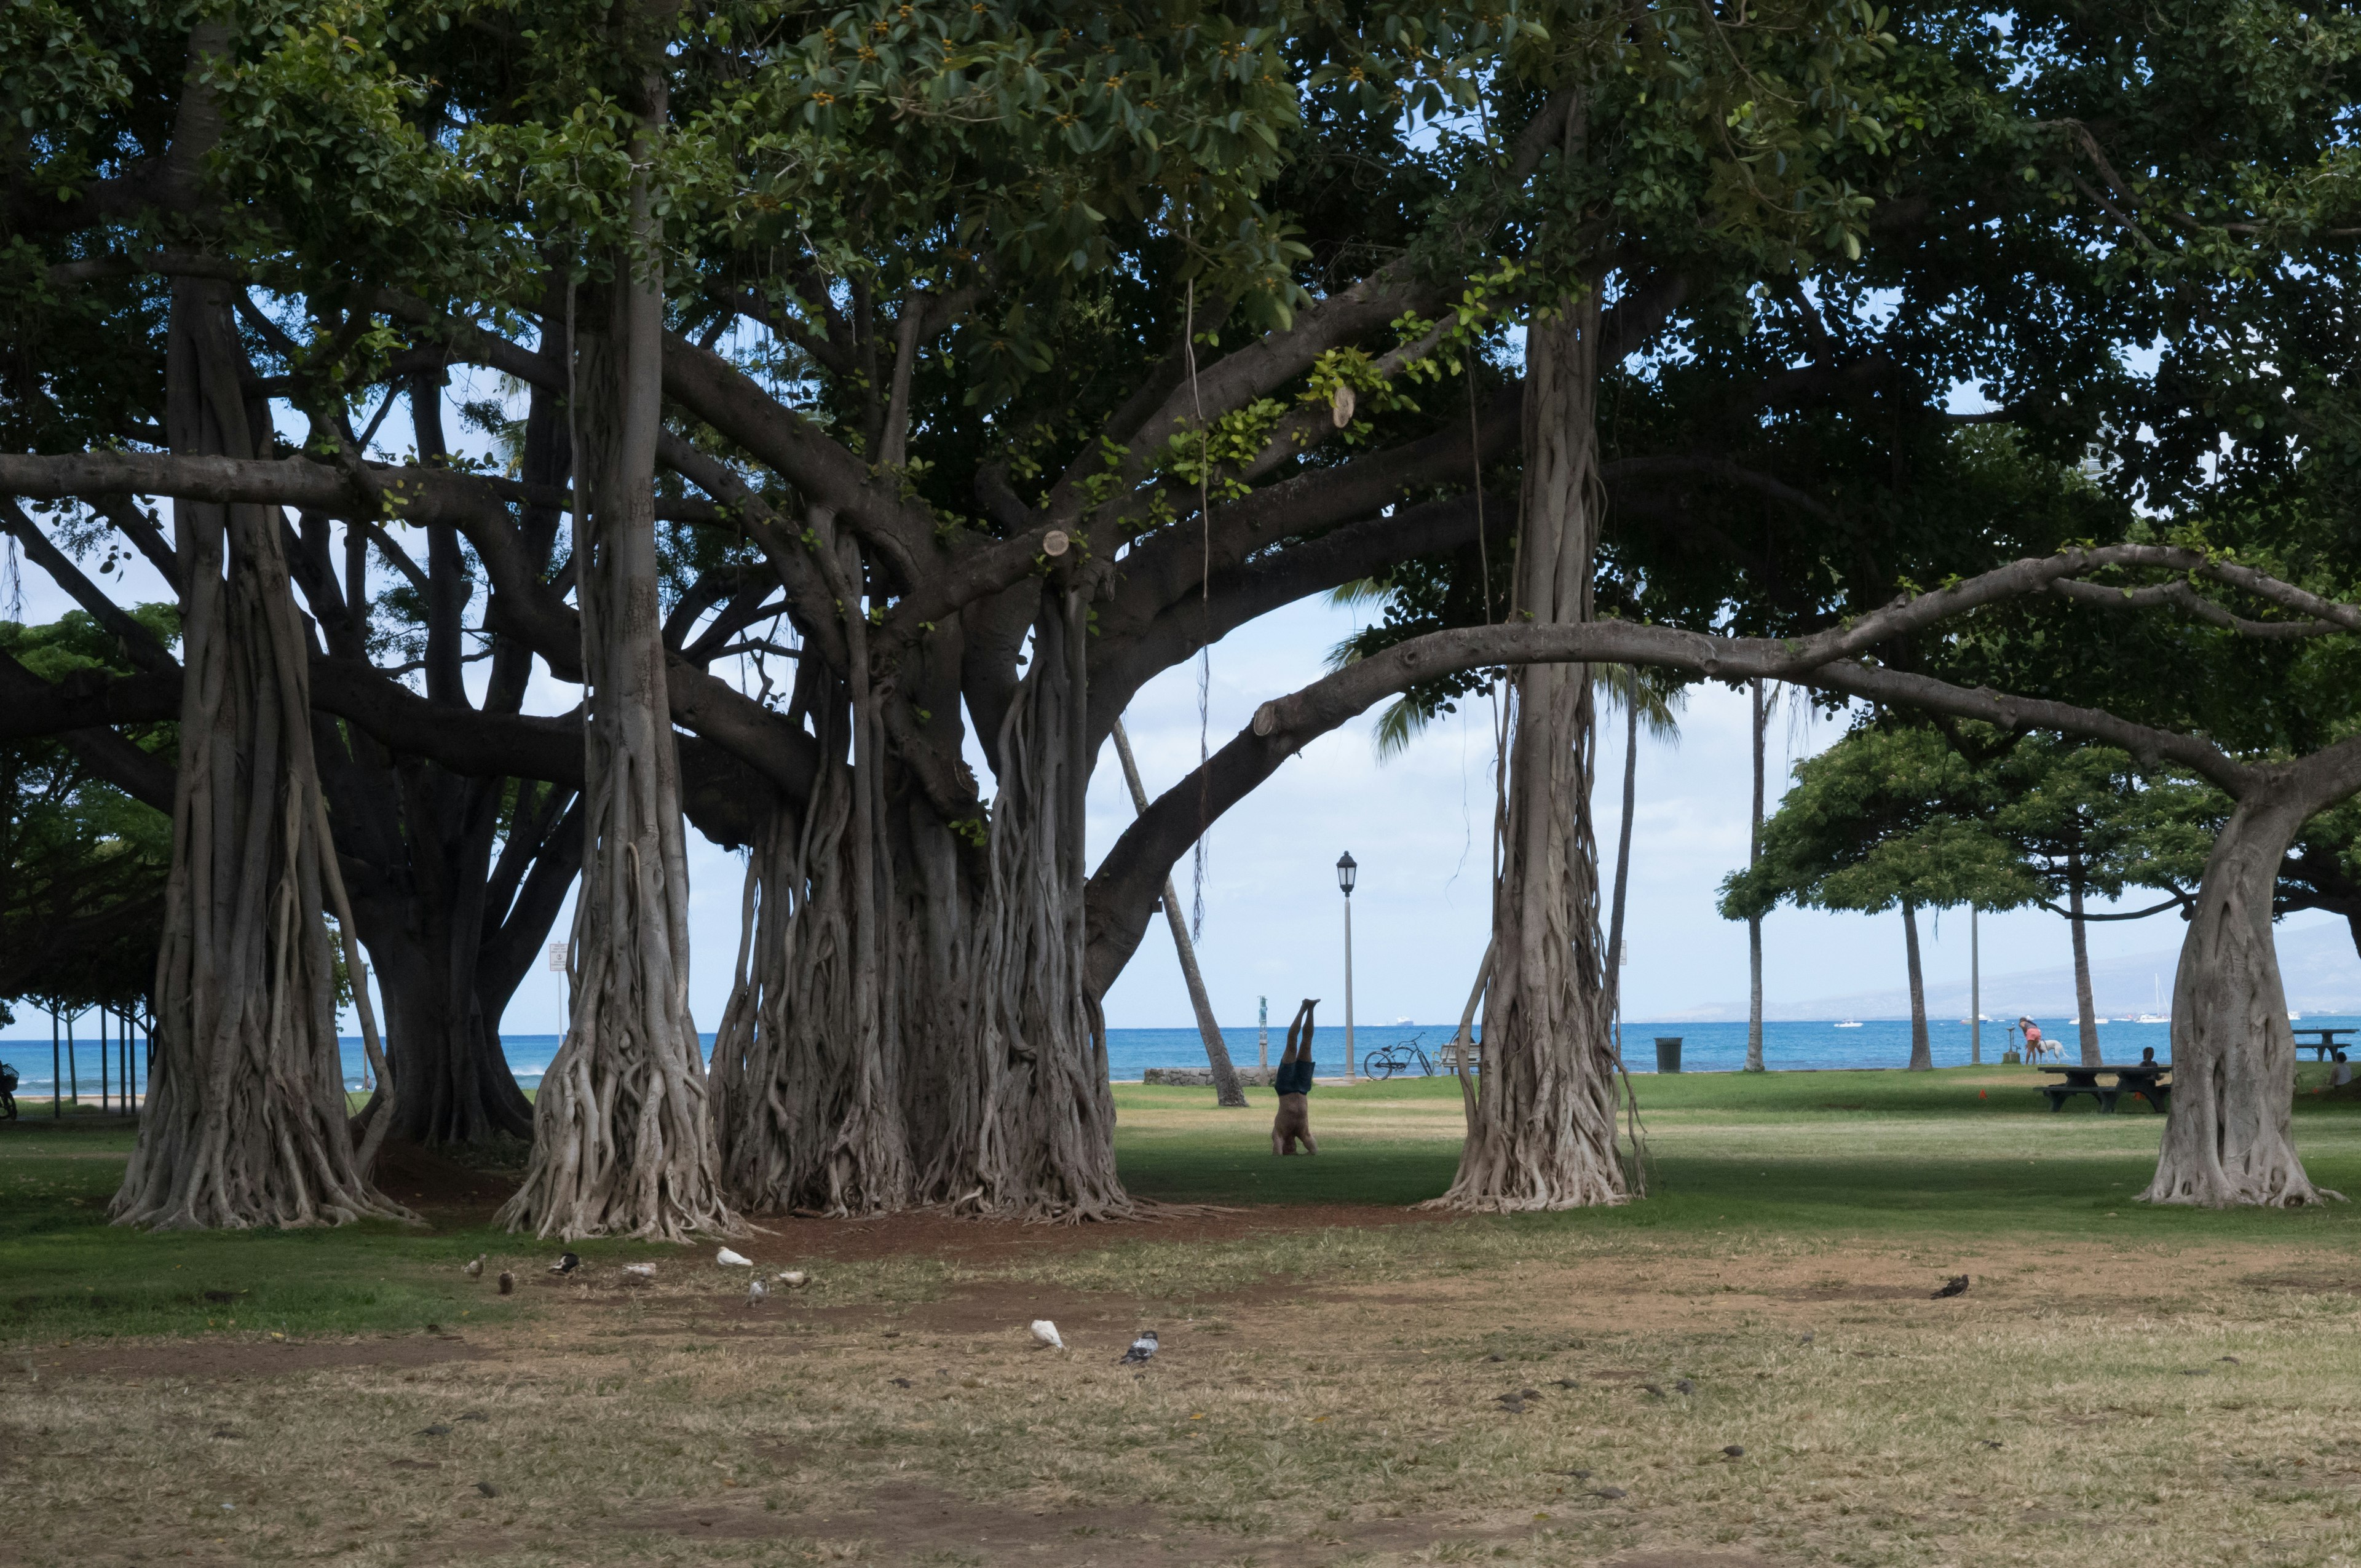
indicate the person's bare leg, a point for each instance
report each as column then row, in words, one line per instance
column 1292, row 1120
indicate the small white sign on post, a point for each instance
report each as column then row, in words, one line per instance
column 558, row 957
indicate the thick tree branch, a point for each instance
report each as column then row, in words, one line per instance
column 731, row 401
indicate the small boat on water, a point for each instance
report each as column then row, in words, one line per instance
column 1849, row 1023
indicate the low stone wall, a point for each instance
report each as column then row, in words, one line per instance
column 1202, row 1077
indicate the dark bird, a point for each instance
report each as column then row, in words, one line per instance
column 1684, row 1387
column 1142, row 1351
column 508, row 1282
column 1807, row 1338
column 1655, row 1388
column 487, row 1489
column 1955, row 1286
column 1735, row 1451
column 437, row 1430
column 1989, row 1441
column 899, row 1382
column 566, row 1264
column 2232, row 1360
column 1565, row 1382
column 1511, row 1404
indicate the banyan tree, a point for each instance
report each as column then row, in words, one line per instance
column 864, row 389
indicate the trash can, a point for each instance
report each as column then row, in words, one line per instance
column 1668, row 1053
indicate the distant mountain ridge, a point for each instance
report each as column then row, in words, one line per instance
column 2318, row 964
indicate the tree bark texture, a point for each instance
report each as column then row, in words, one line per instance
column 806, row 1062
column 1922, row 1052
column 1027, row 1113
column 623, row 1133
column 2086, row 1015
column 2228, row 1140
column 1543, row 1135
column 1754, row 922
column 245, row 1120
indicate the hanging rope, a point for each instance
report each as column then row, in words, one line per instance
column 1205, row 628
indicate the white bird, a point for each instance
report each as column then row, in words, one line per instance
column 756, row 1292
column 729, row 1260
column 1047, row 1332
column 795, row 1280
column 474, row 1269
column 641, row 1270
column 1142, row 1349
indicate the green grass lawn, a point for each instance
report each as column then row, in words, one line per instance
column 1958, row 1152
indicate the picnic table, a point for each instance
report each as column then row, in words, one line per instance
column 2145, row 1079
column 2325, row 1042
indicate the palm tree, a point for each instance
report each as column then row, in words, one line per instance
column 1646, row 695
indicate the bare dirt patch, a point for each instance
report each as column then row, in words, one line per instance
column 215, row 1360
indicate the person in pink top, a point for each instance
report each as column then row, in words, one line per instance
column 2034, row 1043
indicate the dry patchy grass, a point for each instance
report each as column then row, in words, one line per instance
column 2118, row 1388
column 2083, row 1403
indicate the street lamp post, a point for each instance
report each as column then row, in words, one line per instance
column 1346, row 873
column 1975, row 992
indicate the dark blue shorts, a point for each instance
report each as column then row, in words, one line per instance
column 1293, row 1078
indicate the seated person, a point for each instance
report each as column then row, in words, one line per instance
column 2341, row 1074
column 1293, row 1083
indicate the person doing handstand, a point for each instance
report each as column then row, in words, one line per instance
column 1293, row 1081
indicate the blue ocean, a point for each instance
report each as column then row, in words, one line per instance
column 1787, row 1046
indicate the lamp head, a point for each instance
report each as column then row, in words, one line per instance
column 1345, row 872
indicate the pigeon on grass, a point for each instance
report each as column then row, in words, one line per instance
column 795, row 1278
column 1046, row 1334
column 729, row 1260
column 566, row 1264
column 1142, row 1351
column 755, row 1291
column 508, row 1282
column 474, row 1267
column 1955, row 1286
column 641, row 1270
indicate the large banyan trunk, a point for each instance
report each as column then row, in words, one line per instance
column 1543, row 1132
column 623, row 1136
column 454, row 903
column 2227, row 1141
column 803, row 1066
column 1026, row 1116
column 421, row 885
column 245, row 1120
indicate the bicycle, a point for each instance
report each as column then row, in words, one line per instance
column 1387, row 1060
